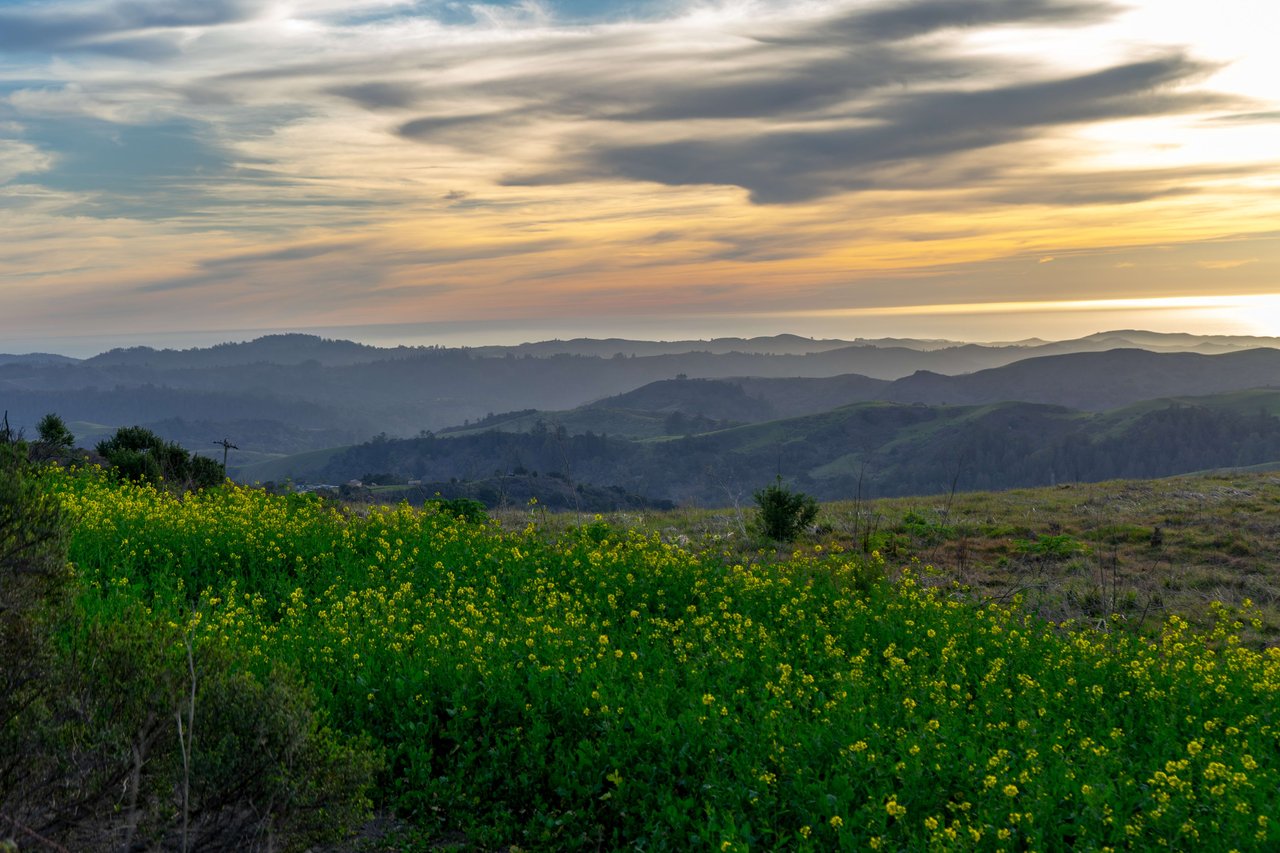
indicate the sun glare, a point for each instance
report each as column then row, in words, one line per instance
column 1249, row 314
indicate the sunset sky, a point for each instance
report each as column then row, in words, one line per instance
column 175, row 171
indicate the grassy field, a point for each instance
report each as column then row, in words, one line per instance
column 566, row 686
column 1122, row 554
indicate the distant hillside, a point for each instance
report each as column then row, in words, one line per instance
column 312, row 388
column 797, row 345
column 676, row 407
column 717, row 399
column 40, row 358
column 1096, row 381
column 609, row 347
column 1087, row 381
column 872, row 449
column 311, row 385
column 270, row 349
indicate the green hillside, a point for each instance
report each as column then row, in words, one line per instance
column 869, row 449
column 280, row 468
column 599, row 688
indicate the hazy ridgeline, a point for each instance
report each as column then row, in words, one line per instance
column 839, row 418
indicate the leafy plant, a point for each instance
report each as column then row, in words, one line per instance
column 1058, row 547
column 609, row 690
column 468, row 510
column 138, row 454
column 54, row 433
column 925, row 530
column 33, row 582
column 783, row 513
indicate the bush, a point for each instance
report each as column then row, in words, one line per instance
column 1050, row 548
column 55, row 438
column 137, row 454
column 103, row 765
column 466, row 509
column 33, row 584
column 91, row 692
column 784, row 513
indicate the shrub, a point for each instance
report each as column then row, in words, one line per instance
column 91, row 691
column 54, row 433
column 784, row 513
column 33, row 582
column 468, row 510
column 136, row 453
column 103, row 767
column 1050, row 548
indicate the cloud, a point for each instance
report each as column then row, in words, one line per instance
column 273, row 151
column 379, row 95
column 1228, row 264
column 789, row 165
column 362, row 264
column 1262, row 117
column 790, row 109
column 153, row 169
column 123, row 28
column 289, row 253
column 901, row 21
column 21, row 158
column 485, row 252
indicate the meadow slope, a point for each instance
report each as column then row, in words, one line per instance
column 604, row 689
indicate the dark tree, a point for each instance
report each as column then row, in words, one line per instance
column 138, row 454
column 54, row 433
column 784, row 513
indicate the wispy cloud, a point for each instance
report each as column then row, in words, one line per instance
column 139, row 29
column 277, row 161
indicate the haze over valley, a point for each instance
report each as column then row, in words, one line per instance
column 681, row 422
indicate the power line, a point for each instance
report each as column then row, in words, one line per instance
column 226, row 445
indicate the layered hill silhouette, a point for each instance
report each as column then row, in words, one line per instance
column 1086, row 381
column 288, row 394
column 1096, row 380
column 868, row 449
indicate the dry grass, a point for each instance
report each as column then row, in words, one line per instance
column 1124, row 552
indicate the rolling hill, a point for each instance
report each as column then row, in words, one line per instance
column 869, row 449
column 294, row 393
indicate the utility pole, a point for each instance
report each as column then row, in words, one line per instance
column 225, row 445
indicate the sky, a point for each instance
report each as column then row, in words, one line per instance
column 460, row 172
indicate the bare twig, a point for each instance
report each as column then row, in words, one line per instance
column 184, row 742
column 28, row 831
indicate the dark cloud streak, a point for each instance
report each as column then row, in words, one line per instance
column 117, row 28
column 379, row 95
column 861, row 101
column 911, row 20
column 929, row 127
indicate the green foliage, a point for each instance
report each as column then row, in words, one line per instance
column 261, row 764
column 597, row 531
column 30, row 521
column 261, row 742
column 924, row 530
column 33, row 582
column 203, row 471
column 91, row 688
column 466, row 509
column 607, row 690
column 138, row 454
column 783, row 514
column 1057, row 547
column 54, row 433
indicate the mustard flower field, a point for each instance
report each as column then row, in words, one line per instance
column 604, row 690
